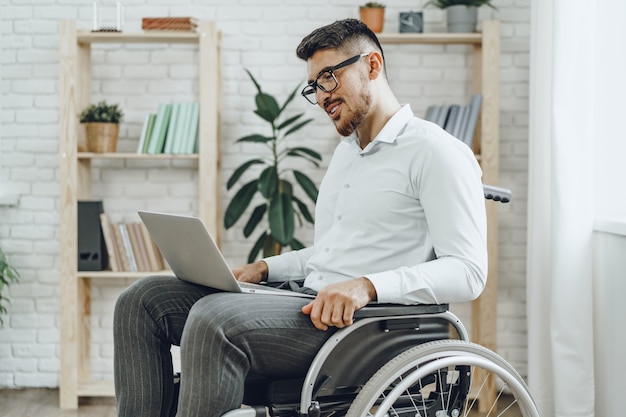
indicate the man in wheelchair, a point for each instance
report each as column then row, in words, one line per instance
column 400, row 219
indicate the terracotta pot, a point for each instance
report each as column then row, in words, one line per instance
column 374, row 18
column 102, row 137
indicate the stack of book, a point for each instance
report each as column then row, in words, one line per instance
column 458, row 120
column 169, row 23
column 172, row 130
column 130, row 247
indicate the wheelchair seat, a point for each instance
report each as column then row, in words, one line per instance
column 380, row 332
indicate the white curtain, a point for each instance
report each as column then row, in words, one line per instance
column 560, row 207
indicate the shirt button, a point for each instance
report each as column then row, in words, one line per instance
column 326, row 250
column 319, row 278
column 339, row 217
column 347, row 185
column 361, row 155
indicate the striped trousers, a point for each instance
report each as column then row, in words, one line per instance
column 223, row 337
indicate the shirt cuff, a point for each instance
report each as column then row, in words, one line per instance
column 277, row 268
column 387, row 287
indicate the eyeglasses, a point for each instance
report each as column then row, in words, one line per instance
column 326, row 80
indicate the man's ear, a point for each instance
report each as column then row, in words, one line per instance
column 375, row 61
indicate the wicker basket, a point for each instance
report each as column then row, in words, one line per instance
column 102, row 137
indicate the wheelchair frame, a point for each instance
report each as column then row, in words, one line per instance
column 409, row 367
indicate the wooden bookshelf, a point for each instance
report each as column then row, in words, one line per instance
column 75, row 181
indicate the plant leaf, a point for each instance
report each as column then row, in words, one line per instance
column 289, row 121
column 255, row 218
column 307, row 185
column 304, row 210
column 239, row 203
column 290, row 98
column 268, row 181
column 256, row 84
column 281, row 218
column 307, row 151
column 267, row 107
column 254, row 252
column 296, row 244
column 298, row 127
column 255, row 138
column 240, row 170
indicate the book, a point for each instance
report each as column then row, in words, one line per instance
column 136, row 248
column 175, row 121
column 474, row 109
column 430, row 113
column 146, row 131
column 123, row 257
column 191, row 135
column 128, row 249
column 456, row 129
column 442, row 114
column 181, row 128
column 109, row 241
column 157, row 138
column 154, row 255
column 451, row 119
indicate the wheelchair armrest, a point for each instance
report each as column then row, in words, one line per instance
column 380, row 310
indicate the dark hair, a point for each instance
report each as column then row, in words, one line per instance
column 349, row 35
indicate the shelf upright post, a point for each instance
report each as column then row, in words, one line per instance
column 487, row 82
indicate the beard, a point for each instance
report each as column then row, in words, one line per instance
column 348, row 123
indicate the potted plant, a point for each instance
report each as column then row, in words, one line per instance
column 280, row 205
column 102, row 126
column 8, row 274
column 461, row 15
column 373, row 15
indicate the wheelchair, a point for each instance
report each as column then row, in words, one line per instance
column 397, row 361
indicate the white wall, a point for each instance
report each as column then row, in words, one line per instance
column 260, row 35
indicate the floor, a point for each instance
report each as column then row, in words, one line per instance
column 41, row 402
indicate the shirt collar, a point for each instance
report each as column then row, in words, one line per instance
column 390, row 131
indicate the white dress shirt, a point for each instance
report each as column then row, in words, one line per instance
column 407, row 212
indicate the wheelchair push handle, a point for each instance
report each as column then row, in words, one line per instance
column 502, row 195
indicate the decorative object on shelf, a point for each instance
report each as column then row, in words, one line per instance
column 108, row 7
column 373, row 15
column 461, row 15
column 188, row 24
column 280, row 205
column 411, row 22
column 8, row 275
column 102, row 125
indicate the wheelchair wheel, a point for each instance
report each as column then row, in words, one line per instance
column 435, row 380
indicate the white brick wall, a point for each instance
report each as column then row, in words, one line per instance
column 260, row 35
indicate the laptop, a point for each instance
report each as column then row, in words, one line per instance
column 193, row 256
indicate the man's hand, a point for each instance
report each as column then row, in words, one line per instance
column 335, row 304
column 255, row 272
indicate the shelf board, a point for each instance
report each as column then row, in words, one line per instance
column 130, row 155
column 431, row 38
column 120, row 275
column 96, row 389
column 156, row 36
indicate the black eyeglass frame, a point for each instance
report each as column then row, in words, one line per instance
column 311, row 88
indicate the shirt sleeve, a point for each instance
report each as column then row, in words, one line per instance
column 289, row 265
column 451, row 193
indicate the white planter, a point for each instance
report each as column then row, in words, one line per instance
column 462, row 19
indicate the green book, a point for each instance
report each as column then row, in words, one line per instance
column 192, row 133
column 180, row 128
column 145, row 133
column 174, row 122
column 157, row 138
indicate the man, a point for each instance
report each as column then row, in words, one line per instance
column 400, row 218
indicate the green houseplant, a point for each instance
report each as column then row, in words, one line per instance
column 102, row 126
column 280, row 206
column 461, row 15
column 372, row 14
column 8, row 275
